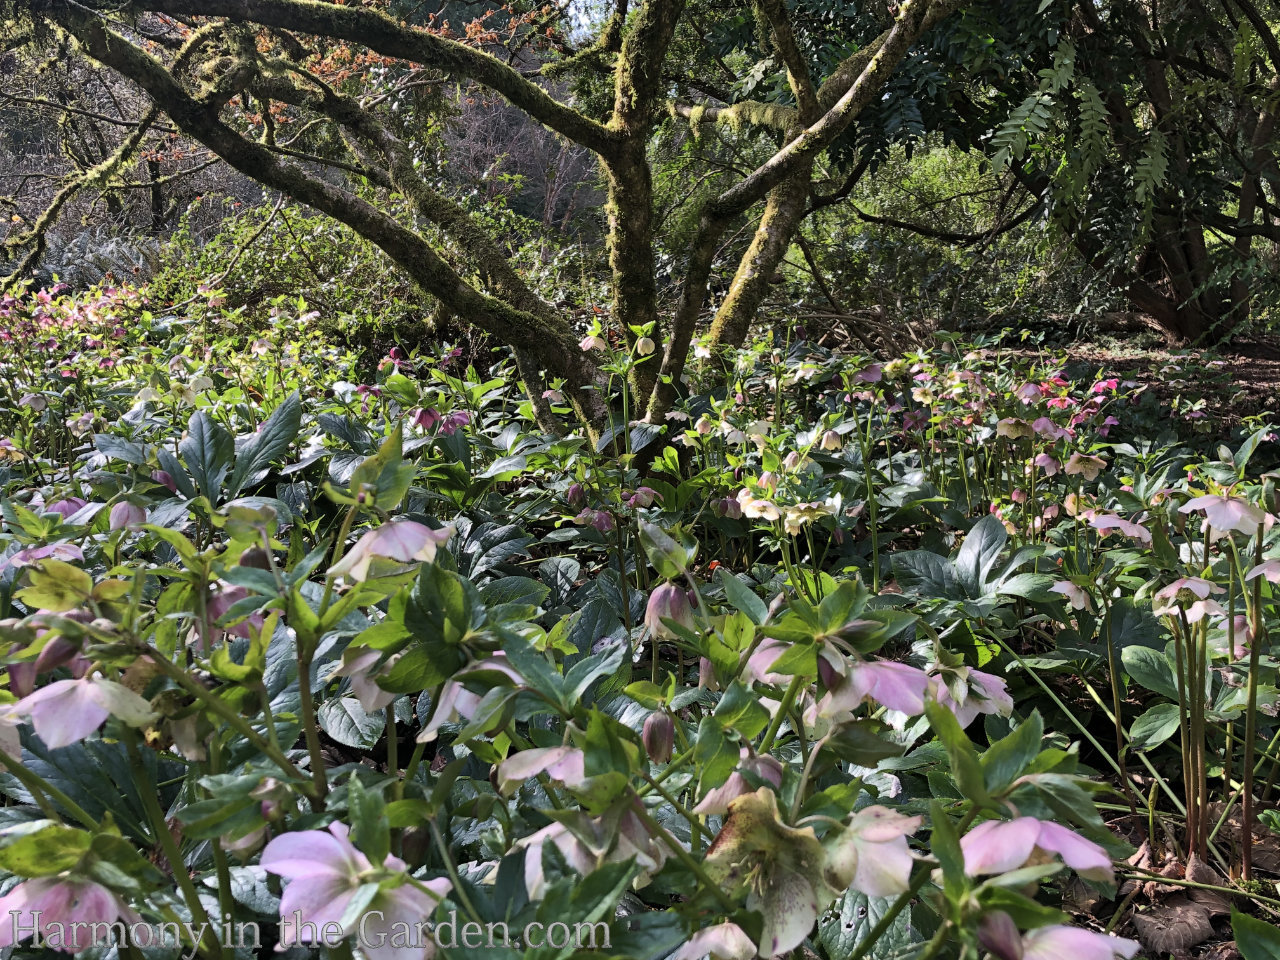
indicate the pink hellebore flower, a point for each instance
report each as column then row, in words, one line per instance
column 592, row 343
column 668, row 602
column 66, row 912
column 401, row 541
column 872, row 855
column 1049, row 430
column 53, row 551
column 1057, row 942
column 456, row 701
column 721, row 941
column 363, row 666
column 126, row 516
column 453, row 421
column 1268, row 568
column 762, row 767
column 425, row 418
column 981, row 693
column 165, row 480
column 1028, row 392
column 1106, row 522
column 1227, row 513
column 602, row 520
column 998, row 846
column 1193, row 592
column 1085, row 466
column 67, row 711
column 898, row 686
column 1048, row 464
column 65, row 508
column 220, row 603
column 325, row 871
column 562, row 764
column 643, row 497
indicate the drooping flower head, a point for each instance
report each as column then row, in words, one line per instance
column 399, row 541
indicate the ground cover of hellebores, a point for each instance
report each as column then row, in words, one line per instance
column 953, row 654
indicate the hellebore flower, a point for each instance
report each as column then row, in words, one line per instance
column 1076, row 595
column 425, row 418
column 325, row 872
column 588, row 843
column 457, row 701
column 1268, row 568
column 781, row 868
column 602, row 520
column 643, row 497
column 401, row 541
column 871, row 854
column 1085, row 466
column 53, row 551
column 563, row 764
column 1056, row 942
column 973, row 692
column 362, row 665
column 645, row 346
column 219, row 605
column 126, row 515
column 1011, row 428
column 998, row 846
column 67, row 711
column 1106, row 522
column 831, row 441
column 1047, row 463
column 592, row 343
column 762, row 767
column 65, row 508
column 1191, row 592
column 659, row 736
column 758, row 509
column 66, row 911
column 721, row 941
column 799, row 514
column 898, row 686
column 165, row 479
column 1227, row 513
column 668, row 602
column 575, row 496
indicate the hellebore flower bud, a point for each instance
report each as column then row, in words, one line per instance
column 998, row 935
column 576, row 496
column 707, row 675
column 125, row 515
column 163, row 478
column 659, row 736
column 667, row 602
column 255, row 557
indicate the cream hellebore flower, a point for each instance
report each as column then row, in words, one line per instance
column 781, row 868
column 871, row 854
column 1227, row 513
column 721, row 941
column 799, row 514
column 645, row 346
column 1076, row 595
column 758, row 509
column 1011, row 428
column 401, row 541
column 1085, row 466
